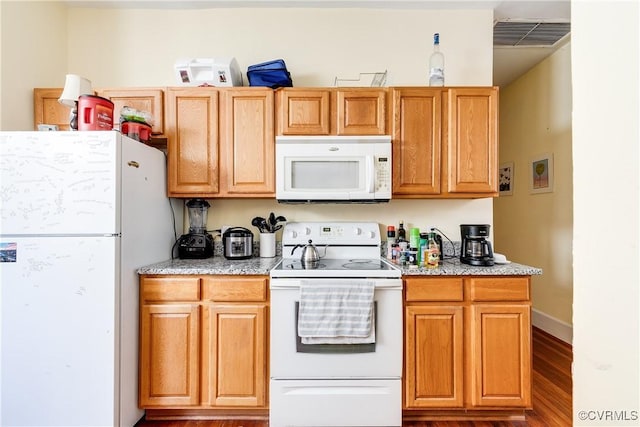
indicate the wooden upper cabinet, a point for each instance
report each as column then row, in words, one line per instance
column 331, row 111
column 303, row 112
column 144, row 99
column 416, row 135
column 445, row 142
column 47, row 110
column 361, row 111
column 472, row 141
column 247, row 144
column 192, row 146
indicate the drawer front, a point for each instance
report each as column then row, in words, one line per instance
column 499, row 289
column 434, row 289
column 172, row 288
column 235, row 288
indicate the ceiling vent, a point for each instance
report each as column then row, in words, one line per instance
column 519, row 33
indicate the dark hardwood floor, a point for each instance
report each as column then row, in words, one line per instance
column 552, row 394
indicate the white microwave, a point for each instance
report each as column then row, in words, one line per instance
column 333, row 169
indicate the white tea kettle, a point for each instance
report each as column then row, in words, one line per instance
column 310, row 256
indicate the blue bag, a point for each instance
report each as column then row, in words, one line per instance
column 272, row 74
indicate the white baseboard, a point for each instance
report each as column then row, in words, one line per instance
column 553, row 326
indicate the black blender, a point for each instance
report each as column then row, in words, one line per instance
column 197, row 244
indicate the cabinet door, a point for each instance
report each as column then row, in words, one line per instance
column 235, row 343
column 303, row 111
column 500, row 355
column 47, row 110
column 169, row 355
column 361, row 111
column 144, row 99
column 416, row 131
column 247, row 147
column 473, row 140
column 434, row 357
column 192, row 146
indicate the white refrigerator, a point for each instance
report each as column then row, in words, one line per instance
column 80, row 212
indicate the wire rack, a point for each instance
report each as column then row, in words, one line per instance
column 364, row 80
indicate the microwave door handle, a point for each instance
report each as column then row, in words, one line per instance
column 371, row 181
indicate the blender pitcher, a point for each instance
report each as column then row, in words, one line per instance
column 197, row 216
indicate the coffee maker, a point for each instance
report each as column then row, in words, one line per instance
column 476, row 249
column 197, row 244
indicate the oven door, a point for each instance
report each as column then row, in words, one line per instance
column 383, row 360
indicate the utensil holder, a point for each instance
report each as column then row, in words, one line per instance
column 267, row 245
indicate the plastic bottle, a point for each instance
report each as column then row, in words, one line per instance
column 423, row 249
column 436, row 63
column 414, row 238
column 391, row 241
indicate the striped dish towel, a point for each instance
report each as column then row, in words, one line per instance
column 336, row 312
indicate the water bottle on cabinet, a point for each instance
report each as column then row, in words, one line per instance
column 436, row 63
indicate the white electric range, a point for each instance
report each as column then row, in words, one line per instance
column 335, row 384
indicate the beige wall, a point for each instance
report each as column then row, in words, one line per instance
column 136, row 47
column 34, row 54
column 606, row 250
column 140, row 47
column 536, row 229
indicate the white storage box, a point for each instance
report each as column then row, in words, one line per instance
column 208, row 71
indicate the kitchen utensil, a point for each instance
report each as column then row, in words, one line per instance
column 268, row 225
column 237, row 243
column 476, row 249
column 257, row 222
column 310, row 256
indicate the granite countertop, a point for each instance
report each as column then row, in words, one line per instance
column 262, row 266
column 453, row 267
column 215, row 265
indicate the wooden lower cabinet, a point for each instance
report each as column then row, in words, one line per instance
column 169, row 355
column 434, row 363
column 467, row 347
column 235, row 354
column 500, row 355
column 203, row 345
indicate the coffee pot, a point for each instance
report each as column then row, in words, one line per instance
column 310, row 256
column 476, row 249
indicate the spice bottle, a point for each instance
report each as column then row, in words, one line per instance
column 402, row 234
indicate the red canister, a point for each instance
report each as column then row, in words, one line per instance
column 138, row 131
column 94, row 113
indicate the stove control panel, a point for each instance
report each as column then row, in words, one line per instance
column 332, row 233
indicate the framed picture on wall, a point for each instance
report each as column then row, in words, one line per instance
column 506, row 177
column 541, row 174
